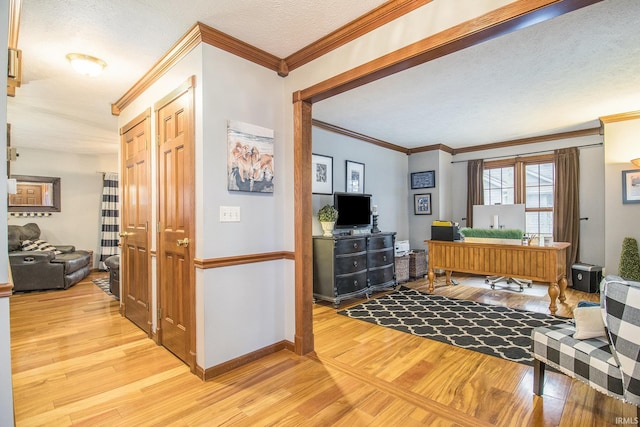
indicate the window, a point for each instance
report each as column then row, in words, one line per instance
column 528, row 180
column 499, row 185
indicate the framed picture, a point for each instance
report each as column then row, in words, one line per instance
column 249, row 158
column 355, row 177
column 425, row 179
column 321, row 174
column 422, row 204
column 631, row 186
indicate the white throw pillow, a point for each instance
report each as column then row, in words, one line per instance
column 589, row 323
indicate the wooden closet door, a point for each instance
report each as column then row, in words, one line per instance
column 175, row 229
column 136, row 214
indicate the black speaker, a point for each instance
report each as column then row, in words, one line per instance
column 586, row 277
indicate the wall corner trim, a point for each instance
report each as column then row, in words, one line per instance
column 217, row 370
column 6, row 290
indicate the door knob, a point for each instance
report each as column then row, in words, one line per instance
column 125, row 234
column 183, row 242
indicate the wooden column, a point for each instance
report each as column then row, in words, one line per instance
column 302, row 224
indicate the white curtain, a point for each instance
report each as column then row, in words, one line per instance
column 110, row 218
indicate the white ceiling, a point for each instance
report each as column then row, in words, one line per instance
column 556, row 76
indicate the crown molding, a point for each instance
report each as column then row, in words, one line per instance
column 366, row 23
column 454, row 151
column 532, row 140
column 342, row 131
column 433, row 147
column 178, row 51
column 239, row 48
column 203, row 33
column 631, row 115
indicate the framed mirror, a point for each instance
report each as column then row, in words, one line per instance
column 35, row 194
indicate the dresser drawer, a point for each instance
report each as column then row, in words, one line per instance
column 380, row 258
column 351, row 283
column 380, row 242
column 350, row 263
column 381, row 275
column 350, row 246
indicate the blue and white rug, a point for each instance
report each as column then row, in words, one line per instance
column 497, row 331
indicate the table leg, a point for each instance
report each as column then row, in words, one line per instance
column 554, row 291
column 448, row 274
column 563, row 286
column 431, row 276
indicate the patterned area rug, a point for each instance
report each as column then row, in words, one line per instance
column 103, row 283
column 497, row 331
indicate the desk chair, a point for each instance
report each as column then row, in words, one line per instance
column 492, row 280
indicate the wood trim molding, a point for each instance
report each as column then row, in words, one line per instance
column 303, row 213
column 135, row 121
column 6, row 290
column 214, row 371
column 15, row 8
column 238, row 47
column 242, row 259
column 631, row 115
column 433, row 147
column 188, row 84
column 342, row 131
column 178, row 51
column 532, row 140
column 366, row 23
column 469, row 149
column 512, row 17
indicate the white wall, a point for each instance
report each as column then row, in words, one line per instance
column 78, row 223
column 385, row 178
column 244, row 305
column 229, row 322
column 6, row 389
column 621, row 145
column 592, row 232
column 420, row 225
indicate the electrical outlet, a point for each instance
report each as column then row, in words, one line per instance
column 229, row 213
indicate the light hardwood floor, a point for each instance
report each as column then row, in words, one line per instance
column 77, row 362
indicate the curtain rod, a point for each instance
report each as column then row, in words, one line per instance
column 527, row 154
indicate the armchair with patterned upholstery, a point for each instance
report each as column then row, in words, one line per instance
column 602, row 351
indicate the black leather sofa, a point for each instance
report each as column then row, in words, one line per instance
column 113, row 265
column 43, row 270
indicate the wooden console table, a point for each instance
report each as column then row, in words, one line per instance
column 546, row 264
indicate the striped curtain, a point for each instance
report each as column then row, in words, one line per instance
column 110, row 218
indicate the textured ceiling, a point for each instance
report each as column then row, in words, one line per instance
column 553, row 77
column 556, row 76
column 56, row 109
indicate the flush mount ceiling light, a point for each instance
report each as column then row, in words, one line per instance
column 86, row 64
column 636, row 161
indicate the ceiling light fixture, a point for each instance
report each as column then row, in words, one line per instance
column 636, row 161
column 86, row 64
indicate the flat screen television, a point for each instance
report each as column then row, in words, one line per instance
column 354, row 210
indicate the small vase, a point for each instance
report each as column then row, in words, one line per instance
column 327, row 227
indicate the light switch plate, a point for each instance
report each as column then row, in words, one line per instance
column 229, row 213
